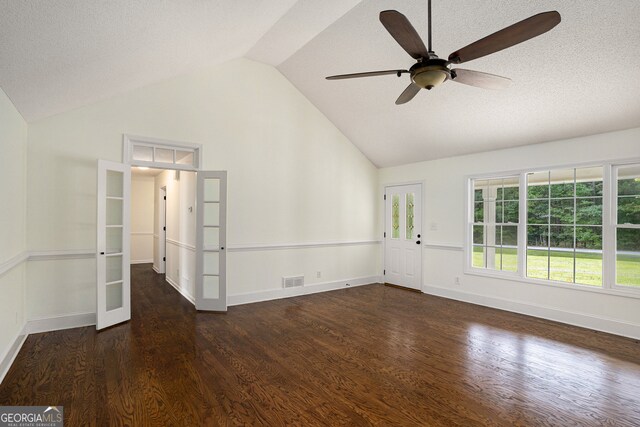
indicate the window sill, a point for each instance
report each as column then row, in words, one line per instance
column 630, row 293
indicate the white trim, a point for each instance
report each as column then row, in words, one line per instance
column 48, row 324
column 141, row 261
column 182, row 291
column 13, row 262
column 547, row 167
column 181, row 245
column 597, row 323
column 444, row 246
column 142, row 233
column 156, row 269
column 49, row 255
column 10, row 355
column 280, row 293
column 61, row 254
column 280, row 246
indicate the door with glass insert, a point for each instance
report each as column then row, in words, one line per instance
column 113, row 246
column 403, row 228
column 211, row 290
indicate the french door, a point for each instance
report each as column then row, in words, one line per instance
column 113, row 244
column 403, row 228
column 211, row 236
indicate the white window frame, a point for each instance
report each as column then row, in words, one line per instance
column 131, row 141
column 471, row 224
column 609, row 224
column 613, row 223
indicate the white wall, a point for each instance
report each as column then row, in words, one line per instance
column 181, row 225
column 444, row 182
column 142, row 195
column 293, row 178
column 13, row 140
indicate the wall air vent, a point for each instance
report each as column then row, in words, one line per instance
column 292, row 281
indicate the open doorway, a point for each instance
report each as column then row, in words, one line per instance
column 163, row 224
column 198, row 271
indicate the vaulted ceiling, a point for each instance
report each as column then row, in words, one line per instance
column 580, row 78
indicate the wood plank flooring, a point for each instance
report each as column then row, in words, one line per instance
column 370, row 355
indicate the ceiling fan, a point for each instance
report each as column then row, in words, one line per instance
column 430, row 71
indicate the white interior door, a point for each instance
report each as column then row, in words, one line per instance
column 113, row 244
column 403, row 229
column 211, row 236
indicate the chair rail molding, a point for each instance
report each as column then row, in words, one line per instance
column 13, row 262
column 281, row 246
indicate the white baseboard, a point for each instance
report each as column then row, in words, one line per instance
column 182, row 292
column 251, row 297
column 9, row 357
column 141, row 261
column 57, row 323
column 597, row 323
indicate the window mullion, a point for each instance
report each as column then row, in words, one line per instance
column 522, row 226
column 609, row 227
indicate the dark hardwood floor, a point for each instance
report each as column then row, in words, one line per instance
column 370, row 355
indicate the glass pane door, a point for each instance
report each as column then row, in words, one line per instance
column 113, row 290
column 211, row 291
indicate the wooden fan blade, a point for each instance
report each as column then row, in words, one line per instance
column 367, row 74
column 479, row 79
column 403, row 32
column 507, row 37
column 408, row 94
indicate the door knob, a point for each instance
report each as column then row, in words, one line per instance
column 418, row 242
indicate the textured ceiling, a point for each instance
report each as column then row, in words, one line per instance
column 580, row 78
column 58, row 55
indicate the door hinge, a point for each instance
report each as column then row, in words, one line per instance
column 384, row 272
column 385, row 197
column 164, row 228
column 385, row 234
column 165, row 197
column 164, row 258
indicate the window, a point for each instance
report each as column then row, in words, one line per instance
column 495, row 223
column 151, row 152
column 395, row 216
column 627, row 220
column 564, row 225
column 577, row 226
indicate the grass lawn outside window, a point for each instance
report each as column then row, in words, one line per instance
column 588, row 266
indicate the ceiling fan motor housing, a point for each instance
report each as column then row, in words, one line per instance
column 430, row 73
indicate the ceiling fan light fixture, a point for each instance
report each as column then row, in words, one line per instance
column 430, row 71
column 430, row 77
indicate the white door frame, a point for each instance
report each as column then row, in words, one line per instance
column 385, row 219
column 128, row 161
